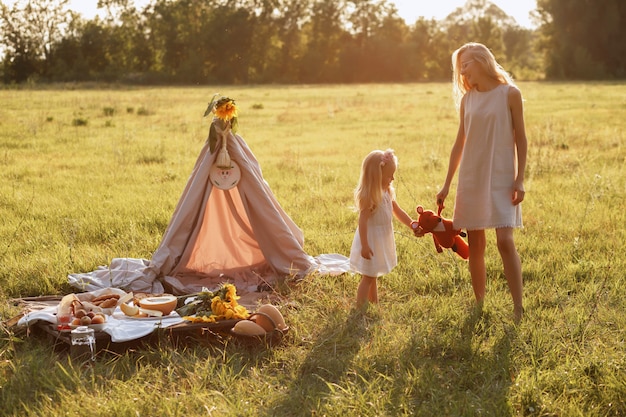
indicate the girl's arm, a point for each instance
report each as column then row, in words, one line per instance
column 401, row 215
column 366, row 251
column 521, row 143
column 455, row 156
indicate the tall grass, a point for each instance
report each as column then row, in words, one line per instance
column 91, row 173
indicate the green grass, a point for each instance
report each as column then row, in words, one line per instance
column 88, row 174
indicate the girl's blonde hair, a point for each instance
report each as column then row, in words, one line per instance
column 483, row 57
column 369, row 192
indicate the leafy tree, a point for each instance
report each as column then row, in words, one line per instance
column 429, row 48
column 291, row 46
column 390, row 57
column 249, row 41
column 485, row 31
column 325, row 38
column 29, row 31
column 583, row 39
column 374, row 51
column 519, row 51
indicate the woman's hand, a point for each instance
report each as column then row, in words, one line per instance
column 441, row 197
column 518, row 193
column 518, row 196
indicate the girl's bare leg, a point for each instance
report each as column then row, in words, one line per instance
column 373, row 294
column 512, row 268
column 364, row 290
column 477, row 244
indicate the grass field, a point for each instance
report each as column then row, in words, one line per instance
column 91, row 173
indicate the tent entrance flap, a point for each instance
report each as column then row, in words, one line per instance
column 225, row 240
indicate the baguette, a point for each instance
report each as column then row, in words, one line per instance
column 105, row 297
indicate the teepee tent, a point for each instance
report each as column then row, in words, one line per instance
column 237, row 233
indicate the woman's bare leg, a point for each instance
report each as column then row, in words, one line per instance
column 477, row 244
column 512, row 268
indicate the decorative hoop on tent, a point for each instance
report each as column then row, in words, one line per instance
column 225, row 173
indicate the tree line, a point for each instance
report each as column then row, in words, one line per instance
column 299, row 41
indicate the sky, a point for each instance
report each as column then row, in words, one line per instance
column 409, row 10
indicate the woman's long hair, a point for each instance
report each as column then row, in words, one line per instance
column 483, row 56
column 369, row 192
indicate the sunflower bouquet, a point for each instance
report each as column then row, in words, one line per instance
column 224, row 111
column 209, row 307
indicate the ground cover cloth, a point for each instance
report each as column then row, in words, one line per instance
column 241, row 235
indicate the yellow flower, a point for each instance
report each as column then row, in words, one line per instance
column 225, row 109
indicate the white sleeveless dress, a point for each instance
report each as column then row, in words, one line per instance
column 381, row 240
column 488, row 165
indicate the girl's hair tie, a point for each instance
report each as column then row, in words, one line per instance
column 386, row 157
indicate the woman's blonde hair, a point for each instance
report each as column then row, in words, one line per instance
column 369, row 192
column 483, row 57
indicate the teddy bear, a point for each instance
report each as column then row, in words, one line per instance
column 443, row 231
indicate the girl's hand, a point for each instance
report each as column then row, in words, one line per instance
column 417, row 230
column 366, row 252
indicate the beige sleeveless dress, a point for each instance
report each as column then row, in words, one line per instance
column 381, row 240
column 488, row 165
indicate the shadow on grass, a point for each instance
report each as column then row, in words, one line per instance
column 448, row 374
column 329, row 359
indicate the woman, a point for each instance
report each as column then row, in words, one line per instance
column 490, row 152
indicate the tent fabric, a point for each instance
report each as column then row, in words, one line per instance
column 241, row 235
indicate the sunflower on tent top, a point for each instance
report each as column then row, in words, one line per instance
column 224, row 112
column 225, row 109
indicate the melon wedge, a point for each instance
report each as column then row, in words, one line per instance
column 151, row 313
column 129, row 310
column 165, row 303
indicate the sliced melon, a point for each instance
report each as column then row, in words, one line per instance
column 125, row 298
column 165, row 303
column 129, row 310
column 151, row 313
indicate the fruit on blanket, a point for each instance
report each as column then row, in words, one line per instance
column 248, row 328
column 275, row 314
column 129, row 310
column 98, row 319
column 165, row 304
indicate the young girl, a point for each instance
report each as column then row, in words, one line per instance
column 490, row 149
column 373, row 250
